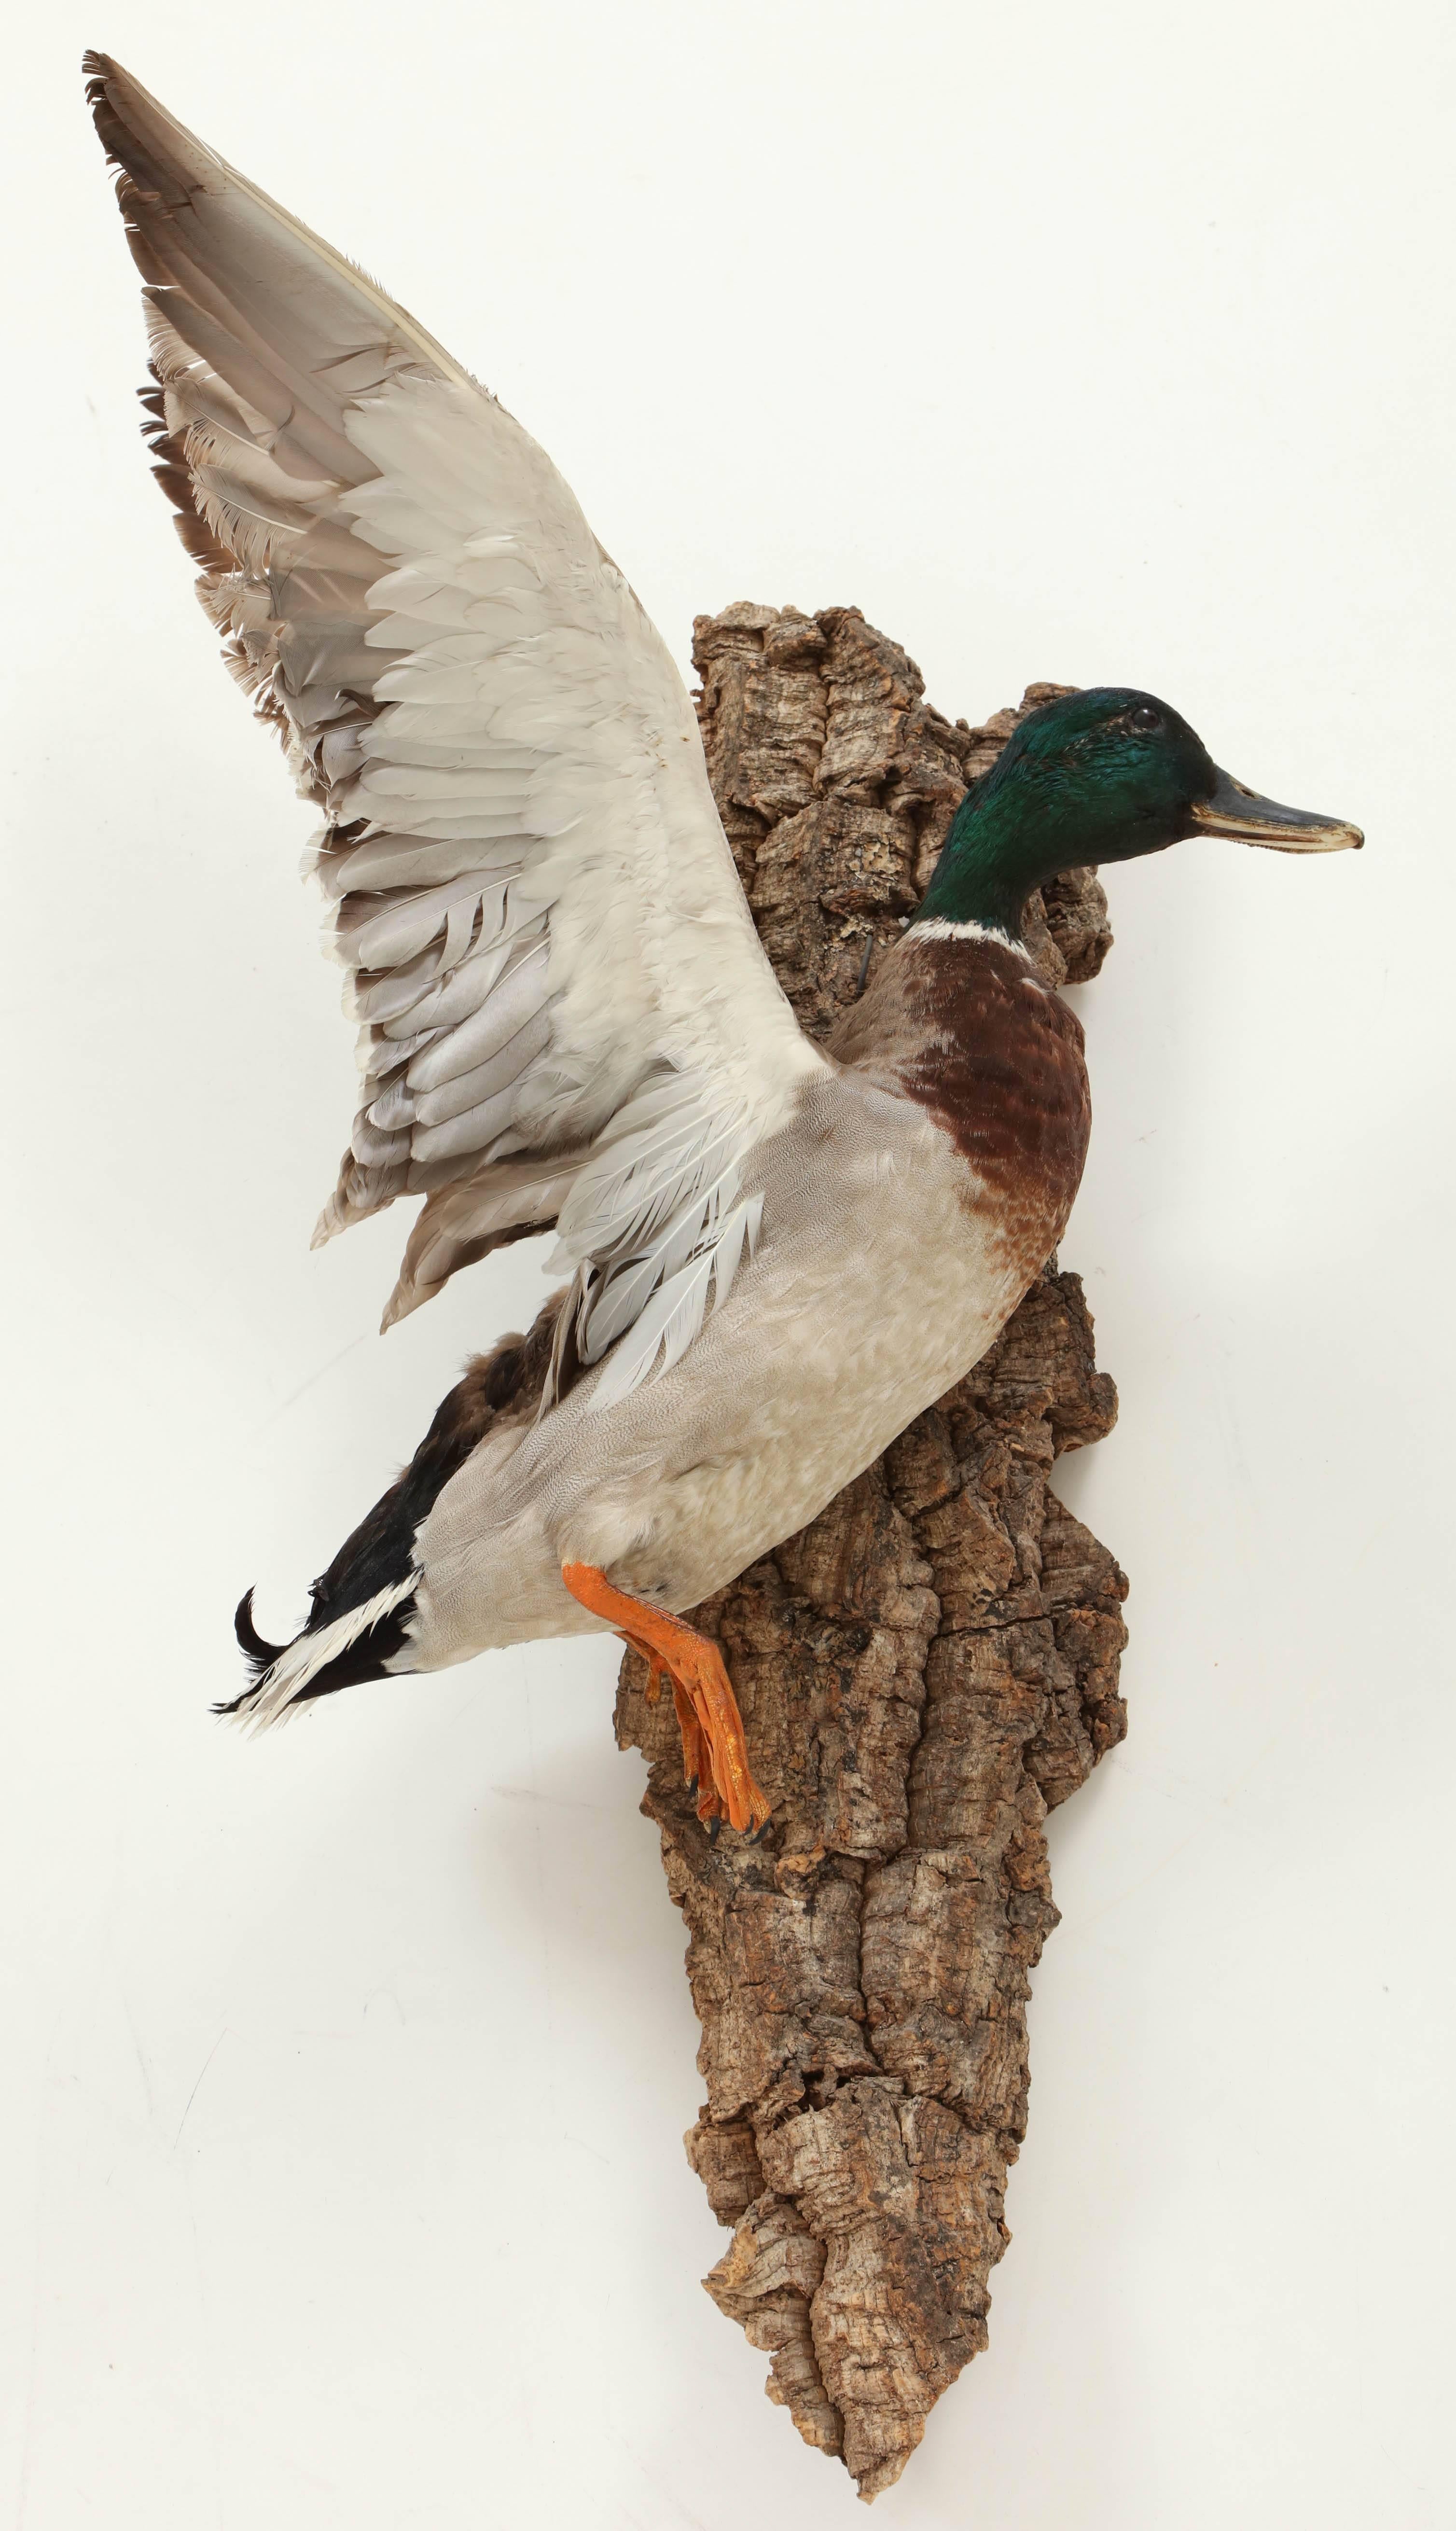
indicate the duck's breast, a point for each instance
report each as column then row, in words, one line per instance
column 959, row 1021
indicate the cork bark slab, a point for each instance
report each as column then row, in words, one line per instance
column 923, row 1671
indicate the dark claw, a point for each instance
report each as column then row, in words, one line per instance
column 713, row 1825
column 760, row 1832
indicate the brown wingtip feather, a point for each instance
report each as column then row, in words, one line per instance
column 113, row 96
column 138, row 133
column 140, row 178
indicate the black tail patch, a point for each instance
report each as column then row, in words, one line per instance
column 382, row 1550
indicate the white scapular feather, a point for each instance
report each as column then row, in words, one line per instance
column 671, row 1319
column 276, row 1692
column 565, row 1010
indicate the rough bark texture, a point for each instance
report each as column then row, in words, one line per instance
column 923, row 1671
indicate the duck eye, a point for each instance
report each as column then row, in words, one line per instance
column 1145, row 718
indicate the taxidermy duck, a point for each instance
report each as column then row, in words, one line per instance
column 778, row 1254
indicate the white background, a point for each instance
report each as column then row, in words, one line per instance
column 345, row 2073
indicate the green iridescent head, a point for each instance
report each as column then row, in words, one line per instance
column 1103, row 775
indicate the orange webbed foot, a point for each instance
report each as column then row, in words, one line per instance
column 714, row 1752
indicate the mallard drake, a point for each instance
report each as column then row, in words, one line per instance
column 777, row 1254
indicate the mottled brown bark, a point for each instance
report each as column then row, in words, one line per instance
column 923, row 1671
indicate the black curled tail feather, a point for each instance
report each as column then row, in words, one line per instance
column 259, row 1653
column 256, row 1651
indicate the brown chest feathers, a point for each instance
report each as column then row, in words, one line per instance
column 967, row 1028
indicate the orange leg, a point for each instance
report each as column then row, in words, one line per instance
column 714, row 1753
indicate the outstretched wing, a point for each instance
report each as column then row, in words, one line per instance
column 565, row 1013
